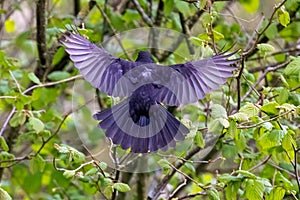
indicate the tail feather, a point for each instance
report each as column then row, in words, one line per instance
column 141, row 138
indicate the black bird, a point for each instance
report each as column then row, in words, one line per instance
column 140, row 122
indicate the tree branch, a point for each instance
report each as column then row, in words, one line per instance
column 41, row 24
column 252, row 49
column 143, row 14
column 262, row 77
column 113, row 29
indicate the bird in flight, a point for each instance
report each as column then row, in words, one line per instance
column 140, row 122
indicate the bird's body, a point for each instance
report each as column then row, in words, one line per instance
column 140, row 122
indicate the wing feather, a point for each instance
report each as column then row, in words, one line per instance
column 191, row 81
column 96, row 65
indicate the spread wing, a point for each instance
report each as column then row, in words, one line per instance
column 191, row 81
column 96, row 65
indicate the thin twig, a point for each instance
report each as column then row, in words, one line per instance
column 210, row 27
column 8, row 97
column 183, row 184
column 143, row 14
column 114, row 31
column 262, row 77
column 189, row 196
column 238, row 79
column 187, row 176
column 14, row 78
column 7, row 120
column 292, row 90
column 269, row 120
column 260, row 33
column 295, row 165
column 166, row 179
column 284, row 51
column 32, row 88
column 52, row 83
column 186, row 32
column 264, row 161
column 282, row 169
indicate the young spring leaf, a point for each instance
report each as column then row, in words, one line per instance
column 121, row 187
column 34, row 78
column 36, row 124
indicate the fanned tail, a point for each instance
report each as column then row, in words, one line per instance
column 162, row 132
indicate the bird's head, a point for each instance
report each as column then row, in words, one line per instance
column 145, row 57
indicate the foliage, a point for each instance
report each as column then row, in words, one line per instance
column 245, row 136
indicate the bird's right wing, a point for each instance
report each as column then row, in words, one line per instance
column 96, row 65
column 191, row 81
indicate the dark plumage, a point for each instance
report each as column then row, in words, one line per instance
column 140, row 122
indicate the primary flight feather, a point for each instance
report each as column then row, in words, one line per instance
column 140, row 122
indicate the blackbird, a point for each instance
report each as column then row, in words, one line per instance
column 140, row 122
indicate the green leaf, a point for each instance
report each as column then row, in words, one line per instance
column 206, row 19
column 224, row 122
column 288, row 141
column 240, row 141
column 254, row 189
column 270, row 108
column 75, row 155
column 226, row 178
column 218, row 111
column 283, row 96
column 199, row 139
column 164, row 163
column 183, row 7
column 91, row 171
column 168, row 7
column 108, row 191
column 190, row 167
column 240, row 117
column 37, row 164
column 229, row 151
column 272, row 31
column 9, row 26
column 277, row 193
column 265, row 48
column 3, row 144
column 121, row 187
column 63, row 149
column 103, row 165
column 69, row 173
column 196, row 40
column 293, row 68
column 250, row 110
column 280, row 178
column 250, row 5
column 6, row 156
column 217, row 35
column 283, row 16
column 58, row 56
column 213, row 194
column 45, row 133
column 131, row 15
column 232, row 129
column 215, row 127
column 231, row 190
column 36, row 124
column 270, row 139
column 246, row 174
column 58, row 75
column 33, row 78
column 4, row 195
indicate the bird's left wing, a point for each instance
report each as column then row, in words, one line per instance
column 96, row 65
column 191, row 81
